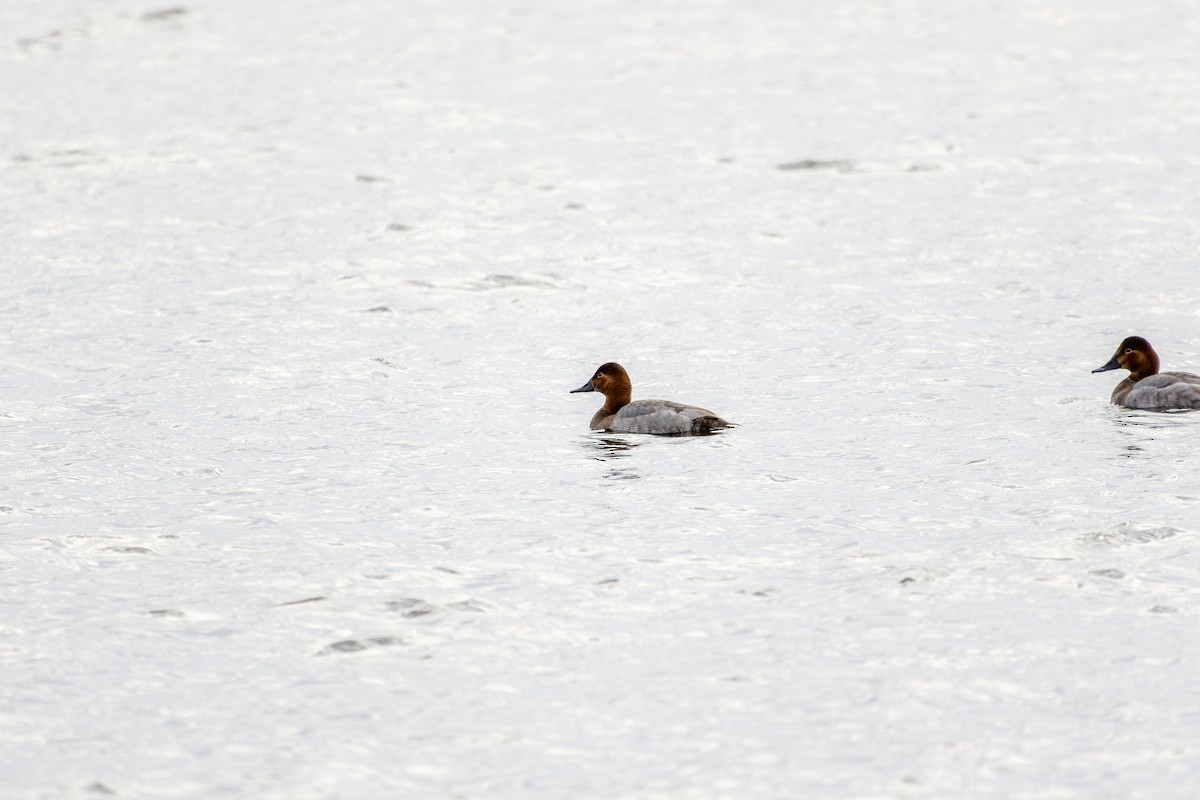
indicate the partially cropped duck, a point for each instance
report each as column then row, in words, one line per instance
column 1146, row 387
column 663, row 417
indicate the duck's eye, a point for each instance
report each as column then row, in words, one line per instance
column 1128, row 350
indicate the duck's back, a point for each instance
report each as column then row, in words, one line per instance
column 1166, row 390
column 664, row 417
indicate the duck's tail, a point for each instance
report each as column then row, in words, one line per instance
column 709, row 424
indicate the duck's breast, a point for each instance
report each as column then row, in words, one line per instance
column 1166, row 390
column 662, row 417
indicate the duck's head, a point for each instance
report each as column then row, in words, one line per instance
column 612, row 381
column 1136, row 355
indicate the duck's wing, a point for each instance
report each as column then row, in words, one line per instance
column 665, row 417
column 1179, row 377
column 1165, row 390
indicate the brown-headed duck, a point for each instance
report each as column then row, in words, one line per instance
column 1146, row 387
column 662, row 417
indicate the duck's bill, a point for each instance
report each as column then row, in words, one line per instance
column 587, row 387
column 1110, row 365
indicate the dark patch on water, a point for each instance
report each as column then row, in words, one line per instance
column 1130, row 533
column 411, row 607
column 75, row 157
column 170, row 14
column 51, row 40
column 818, row 165
column 414, row 607
column 359, row 645
column 472, row 606
column 64, row 158
column 1110, row 572
column 399, row 227
column 503, row 281
column 314, row 599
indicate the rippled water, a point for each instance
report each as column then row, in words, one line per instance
column 295, row 502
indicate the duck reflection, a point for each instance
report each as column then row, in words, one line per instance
column 1140, row 428
column 611, row 449
column 1157, row 419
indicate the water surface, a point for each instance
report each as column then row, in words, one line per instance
column 294, row 501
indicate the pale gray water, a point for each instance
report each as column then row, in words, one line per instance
column 295, row 502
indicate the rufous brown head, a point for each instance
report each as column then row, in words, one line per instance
column 1136, row 355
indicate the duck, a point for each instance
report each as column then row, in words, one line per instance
column 621, row 414
column 1147, row 388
